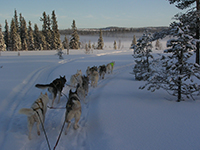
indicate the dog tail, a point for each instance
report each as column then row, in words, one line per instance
column 42, row 86
column 26, row 111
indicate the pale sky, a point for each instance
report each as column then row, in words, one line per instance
column 92, row 13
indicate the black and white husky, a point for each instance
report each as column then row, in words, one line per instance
column 102, row 71
column 73, row 109
column 36, row 113
column 54, row 87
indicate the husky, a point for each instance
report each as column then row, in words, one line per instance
column 76, row 78
column 110, row 67
column 36, row 113
column 94, row 68
column 102, row 71
column 84, row 88
column 73, row 109
column 54, row 87
column 94, row 77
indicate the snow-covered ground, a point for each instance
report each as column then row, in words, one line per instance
column 116, row 116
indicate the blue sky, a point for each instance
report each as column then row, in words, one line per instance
column 92, row 13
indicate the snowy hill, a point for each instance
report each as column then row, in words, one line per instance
column 116, row 115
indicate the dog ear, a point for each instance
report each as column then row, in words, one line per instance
column 41, row 93
column 70, row 91
column 46, row 93
column 78, row 85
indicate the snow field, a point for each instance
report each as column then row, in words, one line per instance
column 116, row 116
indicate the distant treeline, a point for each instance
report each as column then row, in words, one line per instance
column 111, row 30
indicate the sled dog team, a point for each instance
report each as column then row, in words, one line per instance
column 73, row 107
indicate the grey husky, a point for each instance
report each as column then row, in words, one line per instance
column 84, row 88
column 73, row 109
column 54, row 87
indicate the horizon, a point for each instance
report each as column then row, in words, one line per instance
column 92, row 13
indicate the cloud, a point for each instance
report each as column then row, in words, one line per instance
column 89, row 16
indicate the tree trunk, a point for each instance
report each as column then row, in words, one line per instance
column 180, row 73
column 197, row 33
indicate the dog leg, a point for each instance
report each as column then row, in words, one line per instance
column 53, row 102
column 38, row 128
column 69, row 123
column 77, row 118
column 59, row 95
column 30, row 126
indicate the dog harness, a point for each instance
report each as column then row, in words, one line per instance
column 112, row 64
column 70, row 102
column 41, row 108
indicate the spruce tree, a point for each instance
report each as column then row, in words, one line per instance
column 2, row 42
column 24, row 45
column 89, row 45
column 23, row 31
column 134, row 41
column 115, row 45
column 55, row 32
column 16, row 21
column 37, row 38
column 7, row 35
column 192, row 18
column 15, row 39
column 174, row 72
column 66, row 43
column 44, row 42
column 100, row 41
column 43, row 45
column 74, row 40
column 143, row 57
column 49, row 37
column 45, row 24
column 31, row 45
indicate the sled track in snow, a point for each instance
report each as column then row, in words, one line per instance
column 14, row 101
column 17, row 96
column 79, row 138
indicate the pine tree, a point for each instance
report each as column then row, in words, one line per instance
column 15, row 37
column 134, row 41
column 74, row 40
column 175, row 73
column 49, row 36
column 89, row 45
column 86, row 49
column 23, row 31
column 31, row 45
column 45, row 24
column 37, row 38
column 7, row 35
column 194, row 16
column 44, row 42
column 100, row 41
column 115, row 45
column 43, row 45
column 56, row 35
column 2, row 42
column 16, row 21
column 24, row 45
column 66, row 43
column 143, row 57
